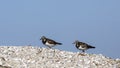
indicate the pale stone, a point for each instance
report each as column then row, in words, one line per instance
column 36, row 57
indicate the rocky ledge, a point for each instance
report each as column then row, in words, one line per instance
column 36, row 57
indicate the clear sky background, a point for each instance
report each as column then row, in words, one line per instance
column 96, row 22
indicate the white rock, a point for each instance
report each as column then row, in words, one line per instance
column 35, row 57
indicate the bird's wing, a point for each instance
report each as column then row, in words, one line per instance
column 51, row 41
column 82, row 43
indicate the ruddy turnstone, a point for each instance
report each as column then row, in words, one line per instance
column 82, row 46
column 49, row 42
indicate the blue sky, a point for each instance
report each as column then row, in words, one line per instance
column 96, row 22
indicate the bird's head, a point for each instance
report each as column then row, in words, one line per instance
column 42, row 38
column 76, row 42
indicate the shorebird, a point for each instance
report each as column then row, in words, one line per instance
column 82, row 46
column 49, row 42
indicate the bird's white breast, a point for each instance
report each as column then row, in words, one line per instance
column 82, row 48
column 49, row 44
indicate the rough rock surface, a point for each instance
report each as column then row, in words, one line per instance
column 35, row 57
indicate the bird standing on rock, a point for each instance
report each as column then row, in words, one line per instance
column 49, row 42
column 82, row 46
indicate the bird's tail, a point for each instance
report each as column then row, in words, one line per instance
column 91, row 46
column 59, row 43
